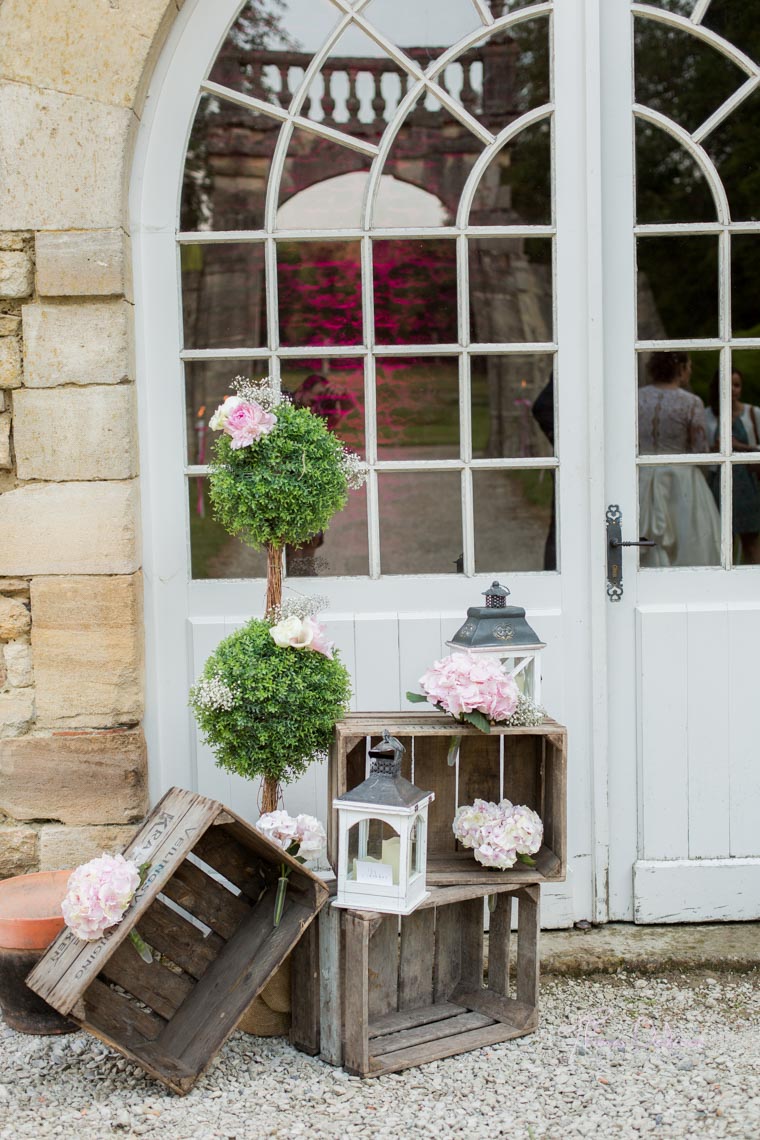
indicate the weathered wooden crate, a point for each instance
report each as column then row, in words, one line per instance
column 401, row 992
column 525, row 765
column 206, row 907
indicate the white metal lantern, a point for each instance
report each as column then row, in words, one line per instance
column 501, row 631
column 382, row 837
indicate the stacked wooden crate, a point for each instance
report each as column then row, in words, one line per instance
column 396, row 992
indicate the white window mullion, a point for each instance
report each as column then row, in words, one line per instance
column 468, row 523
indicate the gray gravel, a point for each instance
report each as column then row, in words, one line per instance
column 620, row 1056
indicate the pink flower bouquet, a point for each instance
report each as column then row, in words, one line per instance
column 244, row 421
column 99, row 894
column 301, row 836
column 499, row 834
column 471, row 688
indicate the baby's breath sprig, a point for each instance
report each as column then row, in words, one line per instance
column 354, row 469
column 261, row 392
column 302, row 606
column 213, row 693
column 526, row 715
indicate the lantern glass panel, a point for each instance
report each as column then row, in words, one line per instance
column 373, row 841
column 415, row 850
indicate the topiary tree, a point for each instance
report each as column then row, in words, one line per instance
column 270, row 694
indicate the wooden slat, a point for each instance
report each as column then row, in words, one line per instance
column 222, row 851
column 177, row 939
column 408, row 1018
column 415, row 970
column 461, row 869
column 331, row 976
column 433, row 1031
column 244, row 966
column 446, row 1047
column 498, row 1008
column 215, row 906
column 447, row 965
column 172, row 829
column 499, row 932
column 383, row 967
column 442, row 896
column 154, row 984
column 356, row 1014
column 522, row 770
column 528, row 932
column 432, row 773
column 116, row 1019
column 304, row 991
column 472, row 917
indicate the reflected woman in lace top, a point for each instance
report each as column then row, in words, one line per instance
column 676, row 508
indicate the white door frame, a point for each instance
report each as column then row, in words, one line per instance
column 578, row 591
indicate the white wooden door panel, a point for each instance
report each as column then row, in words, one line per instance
column 708, row 732
column 697, row 890
column 742, row 762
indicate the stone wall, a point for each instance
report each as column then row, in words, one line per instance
column 73, row 764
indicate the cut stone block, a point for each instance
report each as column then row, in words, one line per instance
column 16, row 274
column 5, row 441
column 85, row 264
column 83, row 778
column 16, row 716
column 62, row 158
column 63, row 847
column 18, row 851
column 87, row 644
column 70, row 528
column 17, row 656
column 75, row 433
column 10, row 362
column 76, row 344
column 15, row 619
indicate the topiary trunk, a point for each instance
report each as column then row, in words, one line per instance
column 270, row 789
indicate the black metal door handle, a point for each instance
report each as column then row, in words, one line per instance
column 614, row 521
column 641, row 542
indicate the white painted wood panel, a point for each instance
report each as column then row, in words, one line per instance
column 708, row 732
column 743, row 759
column 663, row 741
column 420, row 644
column 376, row 680
column 697, row 890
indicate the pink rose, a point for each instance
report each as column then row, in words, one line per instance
column 246, row 423
column 320, row 642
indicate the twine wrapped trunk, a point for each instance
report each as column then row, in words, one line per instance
column 270, row 789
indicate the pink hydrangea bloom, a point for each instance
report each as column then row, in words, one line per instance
column 99, row 893
column 470, row 820
column 247, row 422
column 311, row 836
column 528, row 830
column 285, row 830
column 498, row 833
column 466, row 683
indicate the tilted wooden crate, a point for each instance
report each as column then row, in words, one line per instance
column 524, row 765
column 401, row 992
column 216, row 940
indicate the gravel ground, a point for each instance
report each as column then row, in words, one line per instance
column 619, row 1056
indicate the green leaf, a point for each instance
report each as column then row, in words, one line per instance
column 478, row 720
column 417, row 698
column 527, row 860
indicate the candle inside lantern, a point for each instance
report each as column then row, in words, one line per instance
column 392, row 854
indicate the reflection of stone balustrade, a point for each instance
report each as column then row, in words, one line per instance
column 362, row 93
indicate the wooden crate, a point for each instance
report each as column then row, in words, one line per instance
column 534, row 766
column 217, row 945
column 401, row 992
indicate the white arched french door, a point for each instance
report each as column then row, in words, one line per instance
column 402, row 200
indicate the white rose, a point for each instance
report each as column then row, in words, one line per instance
column 219, row 418
column 292, row 631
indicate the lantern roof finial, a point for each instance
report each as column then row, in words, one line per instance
column 385, row 786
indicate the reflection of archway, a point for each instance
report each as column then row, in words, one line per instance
column 316, row 206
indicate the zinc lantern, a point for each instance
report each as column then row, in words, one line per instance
column 382, row 837
column 501, row 631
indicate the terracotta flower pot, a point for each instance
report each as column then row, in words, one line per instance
column 30, row 918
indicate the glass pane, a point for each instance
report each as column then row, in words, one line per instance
column 515, row 188
column 734, row 150
column 333, row 389
column 679, row 512
column 670, row 187
column 322, row 184
column 415, row 292
column 510, row 290
column 420, row 522
column 512, row 406
column 226, row 168
column 319, row 287
column 214, row 552
column 349, row 91
column 677, row 287
column 515, row 526
column 680, row 75
column 418, row 408
column 672, row 416
column 745, row 299
column 270, row 44
column 737, row 22
column 223, row 295
column 373, row 841
column 340, row 550
column 426, row 27
column 207, row 384
column 746, row 363
column 745, row 517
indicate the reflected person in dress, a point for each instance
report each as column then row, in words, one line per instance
column 745, row 436
column 676, row 508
